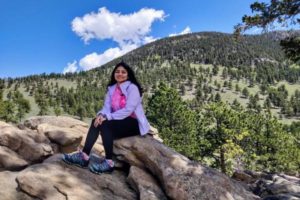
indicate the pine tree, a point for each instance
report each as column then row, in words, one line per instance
column 220, row 129
column 280, row 11
column 175, row 121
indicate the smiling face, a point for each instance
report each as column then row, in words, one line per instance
column 121, row 74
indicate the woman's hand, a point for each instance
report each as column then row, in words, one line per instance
column 99, row 120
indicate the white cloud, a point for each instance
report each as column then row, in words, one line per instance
column 185, row 31
column 71, row 67
column 149, row 39
column 120, row 28
column 93, row 60
column 128, row 30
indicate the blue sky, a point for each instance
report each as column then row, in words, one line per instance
column 44, row 36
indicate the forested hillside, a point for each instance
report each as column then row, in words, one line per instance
column 213, row 98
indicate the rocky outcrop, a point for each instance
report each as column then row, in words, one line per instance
column 146, row 169
column 27, row 145
column 55, row 180
column 145, row 185
column 179, row 177
column 9, row 189
column 271, row 186
column 10, row 160
column 60, row 121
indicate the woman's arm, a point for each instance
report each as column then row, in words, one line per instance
column 106, row 109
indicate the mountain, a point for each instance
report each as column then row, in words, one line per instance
column 205, row 61
column 208, row 48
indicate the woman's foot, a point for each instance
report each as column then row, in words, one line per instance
column 106, row 166
column 79, row 159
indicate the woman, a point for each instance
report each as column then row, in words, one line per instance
column 121, row 116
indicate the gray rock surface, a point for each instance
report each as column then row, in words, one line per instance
column 54, row 180
column 179, row 177
column 145, row 184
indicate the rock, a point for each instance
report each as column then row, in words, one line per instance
column 276, row 187
column 66, row 138
column 180, row 178
column 10, row 160
column 9, row 187
column 60, row 121
column 145, row 185
column 242, row 176
column 54, row 180
column 256, row 175
column 292, row 179
column 281, row 185
column 27, row 144
column 282, row 197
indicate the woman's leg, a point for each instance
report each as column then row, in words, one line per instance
column 91, row 138
column 113, row 129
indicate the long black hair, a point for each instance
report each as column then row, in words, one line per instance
column 131, row 76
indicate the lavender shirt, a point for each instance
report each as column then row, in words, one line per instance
column 133, row 105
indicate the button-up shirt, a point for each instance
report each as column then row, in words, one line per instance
column 133, row 105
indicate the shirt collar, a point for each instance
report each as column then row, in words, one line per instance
column 124, row 85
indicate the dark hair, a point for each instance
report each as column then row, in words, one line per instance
column 131, row 76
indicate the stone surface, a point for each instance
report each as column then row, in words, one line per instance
column 179, row 177
column 9, row 188
column 156, row 171
column 273, row 186
column 242, row 176
column 27, row 144
column 60, row 121
column 54, row 180
column 66, row 138
column 281, row 185
column 10, row 160
column 145, row 184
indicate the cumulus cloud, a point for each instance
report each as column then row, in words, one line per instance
column 93, row 60
column 185, row 31
column 128, row 30
column 71, row 67
column 149, row 39
column 120, row 28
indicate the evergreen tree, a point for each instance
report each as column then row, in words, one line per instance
column 175, row 121
column 245, row 92
column 220, row 130
column 7, row 111
column 280, row 11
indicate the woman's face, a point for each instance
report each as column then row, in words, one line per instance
column 121, row 74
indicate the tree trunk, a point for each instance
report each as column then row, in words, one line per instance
column 222, row 160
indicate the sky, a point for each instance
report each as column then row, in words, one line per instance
column 60, row 36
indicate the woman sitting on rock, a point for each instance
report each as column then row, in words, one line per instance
column 121, row 116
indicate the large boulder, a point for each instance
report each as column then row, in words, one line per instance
column 271, row 186
column 145, row 184
column 180, row 178
column 68, row 133
column 26, row 143
column 60, row 121
column 68, row 139
column 54, row 180
column 9, row 188
column 10, row 160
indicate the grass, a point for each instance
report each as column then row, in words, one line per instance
column 228, row 95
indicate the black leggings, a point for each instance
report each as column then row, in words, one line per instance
column 110, row 130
